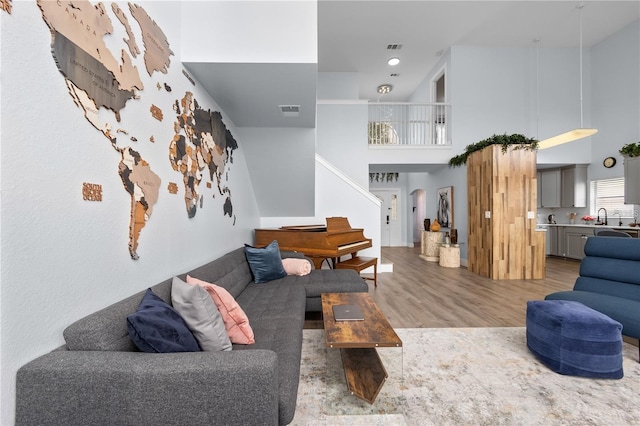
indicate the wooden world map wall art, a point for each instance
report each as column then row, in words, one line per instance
column 201, row 141
column 156, row 113
column 102, row 83
column 6, row 6
column 131, row 41
column 91, row 191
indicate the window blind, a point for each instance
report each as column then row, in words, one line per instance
column 609, row 194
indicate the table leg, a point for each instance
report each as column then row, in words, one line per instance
column 364, row 372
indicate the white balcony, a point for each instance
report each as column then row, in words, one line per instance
column 402, row 124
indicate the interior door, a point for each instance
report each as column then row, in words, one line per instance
column 389, row 217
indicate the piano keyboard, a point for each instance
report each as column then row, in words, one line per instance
column 354, row 245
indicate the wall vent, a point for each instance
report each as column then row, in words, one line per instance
column 290, row 110
column 394, row 46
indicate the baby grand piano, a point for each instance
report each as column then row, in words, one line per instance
column 317, row 242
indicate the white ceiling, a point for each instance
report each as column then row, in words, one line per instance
column 353, row 37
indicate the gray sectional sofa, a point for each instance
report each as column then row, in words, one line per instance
column 100, row 377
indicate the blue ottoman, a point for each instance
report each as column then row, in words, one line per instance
column 573, row 339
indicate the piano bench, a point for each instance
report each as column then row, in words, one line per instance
column 360, row 263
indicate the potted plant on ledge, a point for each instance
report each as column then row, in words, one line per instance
column 631, row 150
column 515, row 141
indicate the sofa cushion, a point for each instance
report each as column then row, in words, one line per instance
column 265, row 263
column 158, row 328
column 200, row 313
column 230, row 272
column 106, row 329
column 623, row 310
column 620, row 270
column 284, row 337
column 235, row 320
column 282, row 298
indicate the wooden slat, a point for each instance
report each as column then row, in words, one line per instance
column 506, row 246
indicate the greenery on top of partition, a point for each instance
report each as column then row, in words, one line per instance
column 631, row 149
column 515, row 141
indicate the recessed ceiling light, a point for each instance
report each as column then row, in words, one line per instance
column 393, row 61
column 385, row 88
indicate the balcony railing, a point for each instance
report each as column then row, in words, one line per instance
column 409, row 124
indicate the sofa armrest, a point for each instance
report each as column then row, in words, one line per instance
column 80, row 388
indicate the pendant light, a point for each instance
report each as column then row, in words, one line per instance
column 581, row 132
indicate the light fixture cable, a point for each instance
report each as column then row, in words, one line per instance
column 581, row 6
column 576, row 133
column 537, row 42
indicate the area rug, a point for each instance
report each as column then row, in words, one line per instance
column 463, row 376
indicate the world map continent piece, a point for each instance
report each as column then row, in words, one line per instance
column 201, row 141
column 143, row 185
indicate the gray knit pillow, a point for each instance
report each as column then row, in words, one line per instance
column 200, row 313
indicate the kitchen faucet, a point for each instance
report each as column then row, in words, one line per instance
column 619, row 218
column 605, row 217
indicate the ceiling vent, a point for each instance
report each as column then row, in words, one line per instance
column 290, row 110
column 394, row 46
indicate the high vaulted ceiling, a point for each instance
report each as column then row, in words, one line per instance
column 353, row 37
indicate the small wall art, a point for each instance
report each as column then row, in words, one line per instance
column 91, row 191
column 445, row 206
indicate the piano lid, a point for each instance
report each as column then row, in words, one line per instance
column 334, row 224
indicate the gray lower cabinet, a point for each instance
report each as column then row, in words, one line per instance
column 552, row 241
column 574, row 240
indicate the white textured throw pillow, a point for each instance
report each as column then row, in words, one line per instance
column 200, row 313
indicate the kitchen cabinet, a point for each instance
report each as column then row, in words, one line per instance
column 574, row 186
column 632, row 180
column 547, row 242
column 552, row 241
column 549, row 194
column 575, row 237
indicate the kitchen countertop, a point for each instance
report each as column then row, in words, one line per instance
column 587, row 226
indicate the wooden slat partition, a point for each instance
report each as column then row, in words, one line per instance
column 507, row 245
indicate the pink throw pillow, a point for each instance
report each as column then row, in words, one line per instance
column 235, row 320
column 295, row 266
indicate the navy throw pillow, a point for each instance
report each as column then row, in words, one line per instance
column 158, row 328
column 265, row 263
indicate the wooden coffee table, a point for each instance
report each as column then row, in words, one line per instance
column 357, row 341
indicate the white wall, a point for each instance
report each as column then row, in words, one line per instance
column 251, row 31
column 338, row 85
column 281, row 164
column 336, row 194
column 342, row 138
column 616, row 98
column 334, row 198
column 62, row 257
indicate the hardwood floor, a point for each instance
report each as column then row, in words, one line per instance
column 423, row 294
